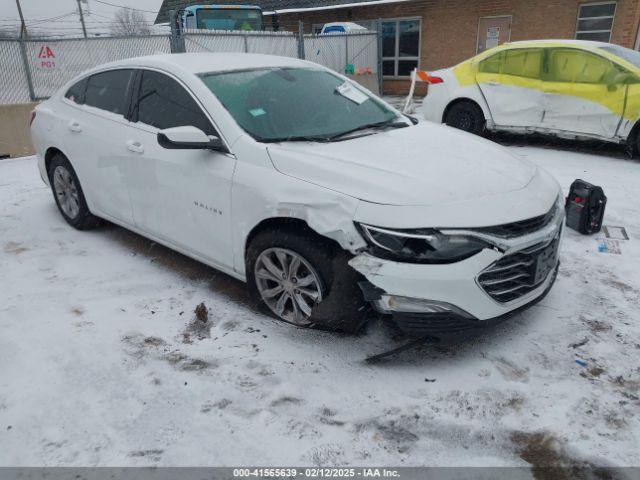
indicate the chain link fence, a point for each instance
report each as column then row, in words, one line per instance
column 33, row 69
column 13, row 77
column 339, row 51
column 284, row 44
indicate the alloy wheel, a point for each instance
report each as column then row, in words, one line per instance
column 66, row 191
column 288, row 284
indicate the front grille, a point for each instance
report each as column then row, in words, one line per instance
column 523, row 227
column 517, row 274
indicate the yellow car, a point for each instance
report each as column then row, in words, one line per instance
column 569, row 88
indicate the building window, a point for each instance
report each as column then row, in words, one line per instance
column 400, row 46
column 595, row 21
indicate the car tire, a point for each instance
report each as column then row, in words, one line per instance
column 466, row 116
column 341, row 306
column 633, row 144
column 68, row 194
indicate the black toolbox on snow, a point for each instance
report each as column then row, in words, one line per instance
column 585, row 207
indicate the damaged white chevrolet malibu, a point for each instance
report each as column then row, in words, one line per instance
column 318, row 194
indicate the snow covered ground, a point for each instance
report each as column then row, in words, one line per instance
column 100, row 363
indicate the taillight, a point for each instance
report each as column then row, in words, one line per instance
column 32, row 118
column 435, row 80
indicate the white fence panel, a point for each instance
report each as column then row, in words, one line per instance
column 13, row 79
column 363, row 50
column 283, row 44
column 271, row 43
column 336, row 51
column 327, row 50
column 214, row 42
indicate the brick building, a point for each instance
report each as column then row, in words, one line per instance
column 433, row 34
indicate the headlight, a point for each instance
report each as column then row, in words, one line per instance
column 421, row 246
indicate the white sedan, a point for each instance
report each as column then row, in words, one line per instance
column 319, row 195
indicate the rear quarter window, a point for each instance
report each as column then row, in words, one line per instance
column 576, row 66
column 491, row 64
column 76, row 92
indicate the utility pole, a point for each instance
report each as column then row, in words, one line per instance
column 23, row 26
column 84, row 28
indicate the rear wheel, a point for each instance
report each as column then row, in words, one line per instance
column 301, row 278
column 466, row 116
column 68, row 194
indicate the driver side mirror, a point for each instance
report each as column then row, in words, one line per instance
column 189, row 138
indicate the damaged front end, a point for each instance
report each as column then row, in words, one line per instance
column 454, row 284
column 422, row 318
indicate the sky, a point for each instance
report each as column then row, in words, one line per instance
column 61, row 17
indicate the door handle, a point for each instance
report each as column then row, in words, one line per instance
column 135, row 146
column 74, row 126
column 493, row 84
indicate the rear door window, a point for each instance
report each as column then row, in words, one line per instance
column 163, row 103
column 576, row 66
column 108, row 91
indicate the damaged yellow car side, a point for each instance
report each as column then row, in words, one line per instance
column 573, row 89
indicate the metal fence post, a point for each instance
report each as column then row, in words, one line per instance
column 246, row 44
column 27, row 69
column 177, row 40
column 379, row 30
column 300, row 40
column 346, row 51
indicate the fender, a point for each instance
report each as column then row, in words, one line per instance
column 328, row 213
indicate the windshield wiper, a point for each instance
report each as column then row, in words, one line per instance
column 386, row 124
column 332, row 138
column 299, row 138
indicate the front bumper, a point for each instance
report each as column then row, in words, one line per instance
column 454, row 328
column 455, row 300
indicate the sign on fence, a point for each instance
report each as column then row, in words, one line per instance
column 48, row 56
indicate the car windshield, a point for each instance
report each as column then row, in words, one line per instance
column 278, row 104
column 627, row 54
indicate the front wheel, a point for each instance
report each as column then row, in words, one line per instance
column 304, row 280
column 288, row 285
column 466, row 116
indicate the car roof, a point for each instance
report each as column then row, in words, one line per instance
column 345, row 24
column 206, row 62
column 601, row 48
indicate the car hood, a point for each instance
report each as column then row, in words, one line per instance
column 425, row 164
